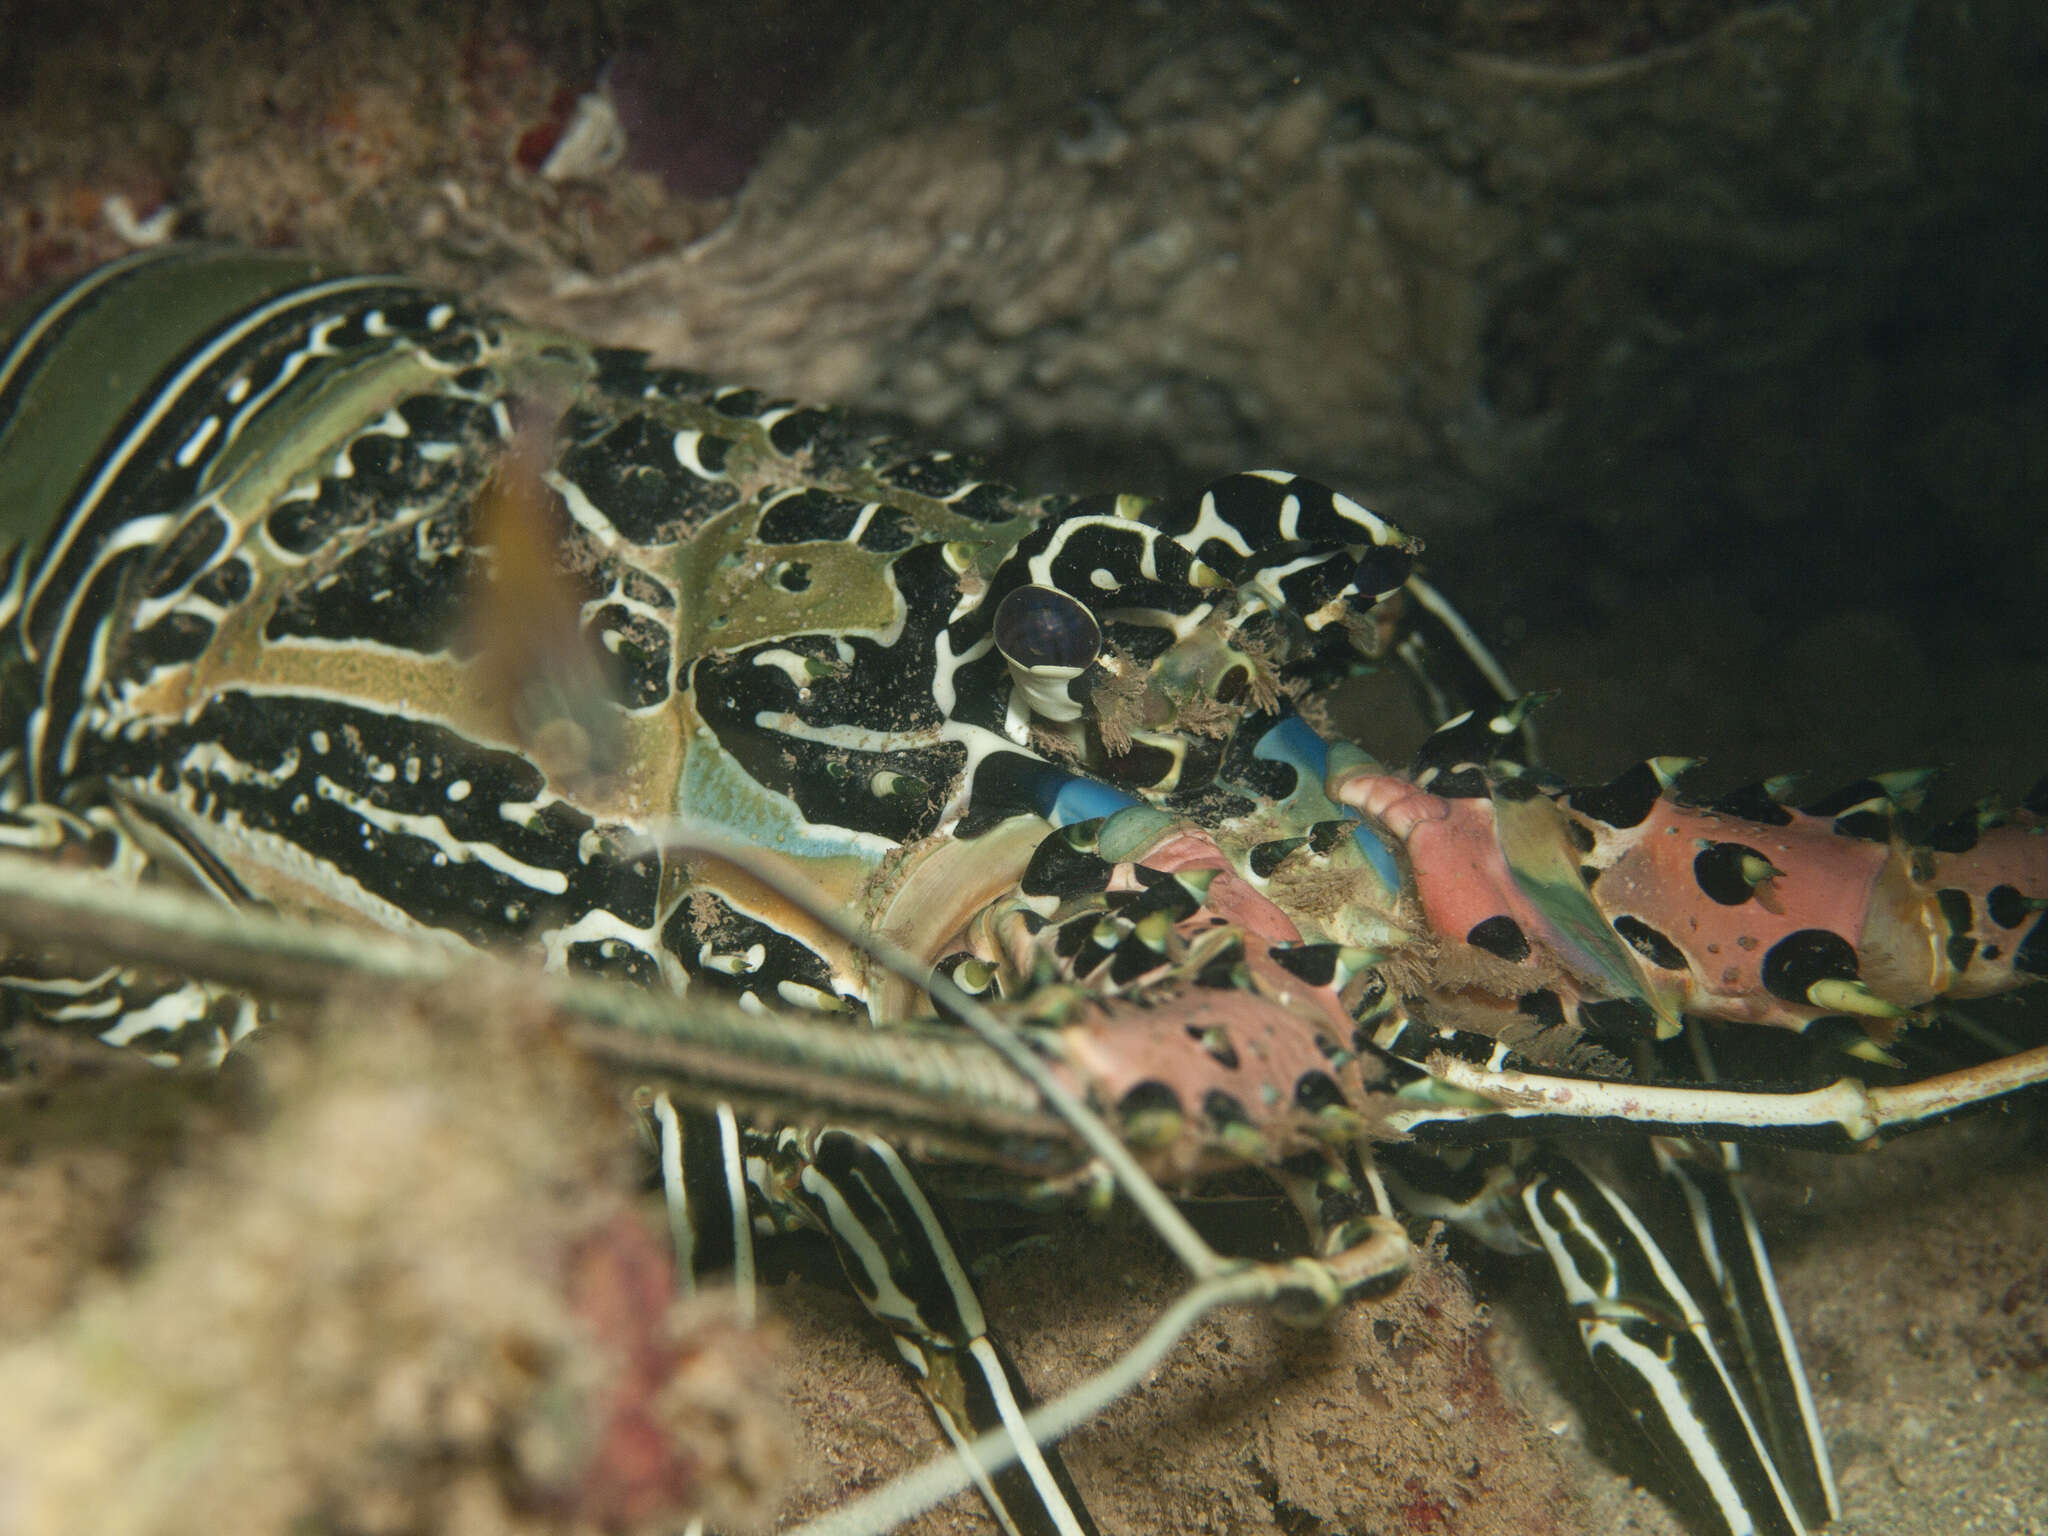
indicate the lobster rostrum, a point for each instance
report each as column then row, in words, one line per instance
column 258, row 608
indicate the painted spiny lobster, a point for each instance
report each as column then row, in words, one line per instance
column 308, row 613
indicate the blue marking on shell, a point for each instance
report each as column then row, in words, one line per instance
column 1078, row 799
column 1378, row 854
column 1294, row 743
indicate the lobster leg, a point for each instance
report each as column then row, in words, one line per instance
column 1725, row 1226
column 1640, row 1326
column 858, row 1192
column 896, row 1252
column 704, row 1185
column 1645, row 1334
column 1650, row 1342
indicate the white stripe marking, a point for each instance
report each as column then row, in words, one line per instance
column 1029, row 1456
column 432, row 829
column 196, row 443
column 736, row 1199
column 172, row 1011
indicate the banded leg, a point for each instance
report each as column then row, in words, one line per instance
column 895, row 1251
column 704, row 1185
column 1649, row 1341
column 1709, row 1176
column 1647, row 1338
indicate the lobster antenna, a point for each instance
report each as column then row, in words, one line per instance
column 890, row 1078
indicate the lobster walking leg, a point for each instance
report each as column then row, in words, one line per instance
column 704, row 1185
column 1725, row 1228
column 1649, row 1340
column 1754, row 1461
column 858, row 1192
column 896, row 1252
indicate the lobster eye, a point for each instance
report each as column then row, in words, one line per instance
column 1043, row 627
column 1382, row 569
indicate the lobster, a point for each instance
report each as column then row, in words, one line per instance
column 372, row 605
